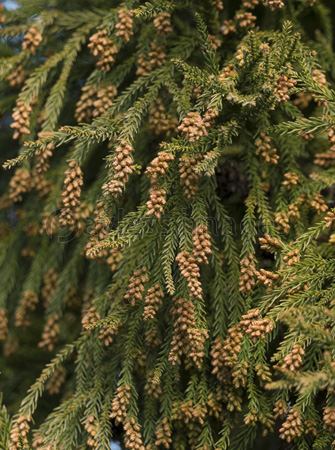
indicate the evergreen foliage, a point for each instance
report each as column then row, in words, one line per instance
column 167, row 225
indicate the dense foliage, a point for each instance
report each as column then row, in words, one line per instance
column 167, row 232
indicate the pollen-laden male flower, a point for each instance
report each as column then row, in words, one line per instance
column 269, row 244
column 136, row 286
column 50, row 283
column 19, row 433
column 17, row 77
column 27, row 304
column 265, row 150
column 189, row 179
column 71, row 193
column 163, row 433
column 248, row 274
column 153, row 301
column 318, row 203
column 98, row 233
column 90, row 317
column 104, row 48
column 274, row 4
column 292, row 428
column 31, row 40
column 162, row 24
column 104, row 100
column 156, row 58
column 120, row 403
column 246, row 20
column 20, row 183
column 330, row 219
column 190, row 270
column 21, row 120
column 293, row 361
column 2, row 15
column 125, row 24
column 159, row 166
column 42, row 160
column 188, row 339
column 160, row 122
column 193, row 127
column 3, row 325
column 292, row 257
column 123, row 168
column 50, row 333
column 92, row 429
column 84, row 107
column 254, row 326
column 156, row 202
column 201, row 244
column 329, row 418
column 282, row 87
column 250, row 4
column 291, row 179
column 56, row 381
